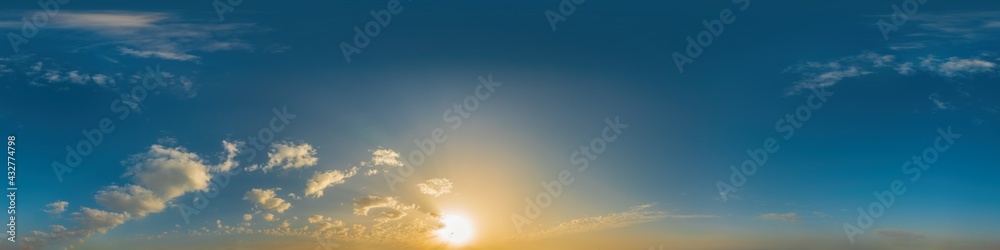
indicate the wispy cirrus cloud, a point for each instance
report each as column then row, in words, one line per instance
column 824, row 74
column 161, row 35
column 788, row 217
column 158, row 54
column 635, row 215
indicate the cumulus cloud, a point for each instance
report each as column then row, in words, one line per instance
column 288, row 155
column 327, row 224
column 789, row 217
column 131, row 199
column 229, row 162
column 265, row 198
column 159, row 175
column 364, row 204
column 169, row 172
column 247, row 217
column 56, row 208
column 322, row 180
column 386, row 157
column 269, row 217
column 435, row 187
column 317, row 218
column 93, row 220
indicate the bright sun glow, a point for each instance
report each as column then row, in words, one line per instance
column 457, row 230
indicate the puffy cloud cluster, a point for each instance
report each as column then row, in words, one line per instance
column 97, row 220
column 435, row 187
column 316, row 218
column 169, row 172
column 266, row 199
column 159, row 175
column 269, row 217
column 289, row 155
column 386, row 157
column 56, row 208
column 91, row 221
column 131, row 199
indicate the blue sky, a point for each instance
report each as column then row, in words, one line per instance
column 348, row 126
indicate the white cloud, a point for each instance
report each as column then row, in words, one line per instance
column 435, row 187
column 386, row 157
column 169, row 55
column 956, row 67
column 93, row 220
column 108, row 20
column 247, row 217
column 56, row 208
column 393, row 209
column 229, row 162
column 907, row 46
column 322, row 180
column 789, row 217
column 169, row 172
column 327, row 224
column 153, row 34
column 955, row 27
column 160, row 175
column 826, row 74
column 290, row 156
column 364, row 204
column 317, row 218
column 131, row 199
column 102, row 79
column 265, row 198
column 905, row 68
column 76, row 77
column 938, row 103
column 269, row 217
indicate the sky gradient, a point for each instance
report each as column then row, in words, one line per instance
column 569, row 124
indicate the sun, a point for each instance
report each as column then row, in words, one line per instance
column 457, row 230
